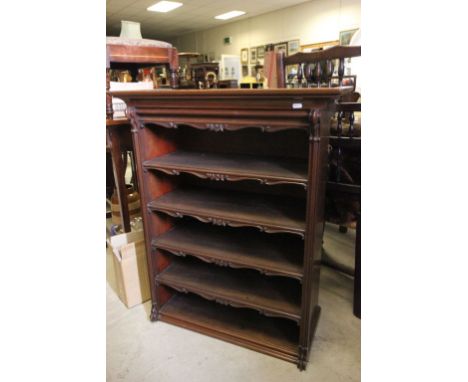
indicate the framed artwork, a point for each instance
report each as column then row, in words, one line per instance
column 253, row 71
column 244, row 56
column 253, row 55
column 293, row 47
column 319, row 45
column 211, row 57
column 283, row 47
column 345, row 36
column 261, row 51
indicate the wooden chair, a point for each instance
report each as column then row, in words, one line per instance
column 130, row 54
column 316, row 69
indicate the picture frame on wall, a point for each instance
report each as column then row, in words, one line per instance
column 261, row 51
column 253, row 55
column 283, row 47
column 293, row 47
column 253, row 70
column 244, row 56
column 345, row 36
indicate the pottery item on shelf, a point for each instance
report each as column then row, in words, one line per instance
column 133, row 205
column 148, row 75
column 125, row 76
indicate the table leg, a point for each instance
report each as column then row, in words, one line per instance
column 119, row 176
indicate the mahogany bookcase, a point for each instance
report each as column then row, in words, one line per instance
column 232, row 182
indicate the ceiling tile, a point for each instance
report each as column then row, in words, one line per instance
column 194, row 15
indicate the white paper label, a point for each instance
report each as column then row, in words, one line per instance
column 297, row 105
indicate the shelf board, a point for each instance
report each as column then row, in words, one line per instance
column 239, row 248
column 275, row 297
column 236, row 209
column 232, row 167
column 273, row 336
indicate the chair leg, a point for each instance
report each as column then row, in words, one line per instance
column 357, row 271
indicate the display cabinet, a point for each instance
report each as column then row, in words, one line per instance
column 233, row 186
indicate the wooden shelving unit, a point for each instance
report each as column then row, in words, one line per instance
column 233, row 183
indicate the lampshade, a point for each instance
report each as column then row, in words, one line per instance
column 130, row 29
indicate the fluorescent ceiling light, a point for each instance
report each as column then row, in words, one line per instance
column 164, row 6
column 229, row 15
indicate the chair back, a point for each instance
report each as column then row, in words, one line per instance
column 315, row 69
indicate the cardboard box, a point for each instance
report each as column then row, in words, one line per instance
column 130, row 266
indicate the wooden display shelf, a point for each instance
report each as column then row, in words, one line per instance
column 235, row 248
column 267, row 213
column 259, row 136
column 275, row 297
column 273, row 336
column 232, row 167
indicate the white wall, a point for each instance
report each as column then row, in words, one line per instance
column 311, row 22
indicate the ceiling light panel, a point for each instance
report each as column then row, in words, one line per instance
column 164, row 6
column 229, row 15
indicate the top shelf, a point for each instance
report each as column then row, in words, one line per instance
column 214, row 93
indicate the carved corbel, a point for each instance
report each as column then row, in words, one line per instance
column 314, row 125
column 132, row 116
